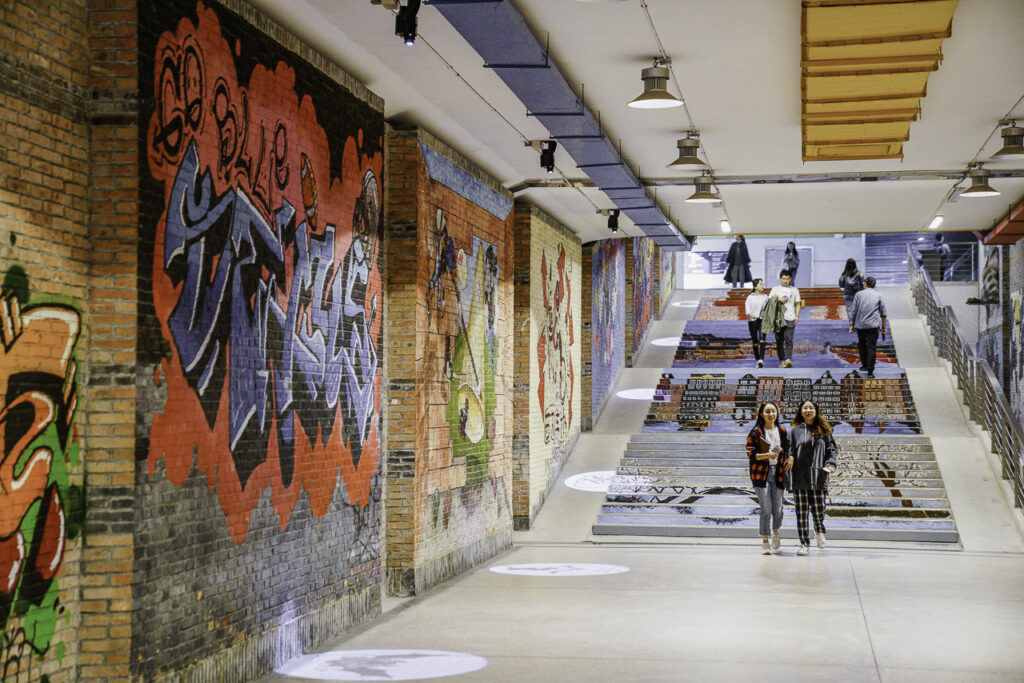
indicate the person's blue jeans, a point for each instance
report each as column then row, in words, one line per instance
column 770, row 498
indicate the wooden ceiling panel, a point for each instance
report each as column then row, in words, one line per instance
column 864, row 67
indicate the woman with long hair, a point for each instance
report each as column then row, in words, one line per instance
column 791, row 260
column 754, row 306
column 767, row 452
column 738, row 259
column 814, row 453
column 851, row 282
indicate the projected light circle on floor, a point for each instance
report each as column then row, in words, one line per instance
column 595, row 482
column 637, row 394
column 381, row 665
column 559, row 569
column 666, row 341
column 686, row 304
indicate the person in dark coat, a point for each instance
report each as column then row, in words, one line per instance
column 738, row 260
column 791, row 259
column 814, row 454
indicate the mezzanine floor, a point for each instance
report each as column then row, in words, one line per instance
column 707, row 609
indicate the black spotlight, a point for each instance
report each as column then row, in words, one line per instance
column 613, row 220
column 405, row 21
column 547, row 155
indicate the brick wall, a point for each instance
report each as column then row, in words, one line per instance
column 45, row 329
column 456, row 511
column 547, row 332
column 640, row 287
column 665, row 279
column 607, row 318
column 258, row 499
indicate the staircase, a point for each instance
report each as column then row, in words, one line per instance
column 887, row 488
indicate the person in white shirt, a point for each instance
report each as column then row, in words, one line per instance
column 754, row 307
column 790, row 296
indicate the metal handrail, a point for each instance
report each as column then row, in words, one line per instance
column 983, row 395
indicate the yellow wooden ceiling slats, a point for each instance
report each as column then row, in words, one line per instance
column 864, row 68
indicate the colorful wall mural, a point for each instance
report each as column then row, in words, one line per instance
column 556, row 385
column 608, row 316
column 667, row 262
column 990, row 315
column 260, row 317
column 643, row 290
column 41, row 510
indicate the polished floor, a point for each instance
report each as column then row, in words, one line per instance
column 719, row 610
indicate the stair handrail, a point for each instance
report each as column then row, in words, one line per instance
column 983, row 395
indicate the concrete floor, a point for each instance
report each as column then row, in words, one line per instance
column 706, row 609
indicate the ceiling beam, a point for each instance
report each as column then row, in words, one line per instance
column 915, row 111
column 871, row 72
column 839, row 122
column 881, row 40
column 1010, row 227
column 865, row 98
column 866, row 61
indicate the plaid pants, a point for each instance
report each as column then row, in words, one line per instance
column 815, row 502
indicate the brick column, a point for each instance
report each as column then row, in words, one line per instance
column 521, row 376
column 587, row 350
column 627, row 343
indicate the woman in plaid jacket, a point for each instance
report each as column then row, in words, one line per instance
column 815, row 455
column 768, row 453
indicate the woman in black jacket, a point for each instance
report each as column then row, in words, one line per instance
column 851, row 282
column 767, row 452
column 814, row 454
column 738, row 272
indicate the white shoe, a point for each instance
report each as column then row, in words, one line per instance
column 821, row 540
column 787, row 364
column 765, row 548
column 803, row 550
column 760, row 363
column 776, row 541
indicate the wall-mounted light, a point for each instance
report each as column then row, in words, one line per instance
column 613, row 218
column 655, row 95
column 936, row 222
column 547, row 155
column 979, row 185
column 702, row 190
column 405, row 21
column 724, row 224
column 1013, row 140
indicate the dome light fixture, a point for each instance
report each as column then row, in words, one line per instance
column 1013, row 140
column 703, row 193
column 688, row 147
column 979, row 185
column 655, row 95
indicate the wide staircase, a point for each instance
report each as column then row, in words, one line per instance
column 686, row 474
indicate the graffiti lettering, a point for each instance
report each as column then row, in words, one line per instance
column 230, row 264
column 556, row 385
column 180, row 86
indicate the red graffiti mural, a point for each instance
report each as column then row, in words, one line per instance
column 265, row 281
column 554, row 357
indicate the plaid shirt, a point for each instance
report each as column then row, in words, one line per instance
column 759, row 468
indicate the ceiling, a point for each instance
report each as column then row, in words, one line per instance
column 737, row 65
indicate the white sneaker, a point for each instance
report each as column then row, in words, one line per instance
column 776, row 541
column 765, row 548
column 787, row 364
column 803, row 550
column 760, row 363
column 821, row 540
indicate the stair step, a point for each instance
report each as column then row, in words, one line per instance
column 752, row 509
column 789, row 533
column 735, row 500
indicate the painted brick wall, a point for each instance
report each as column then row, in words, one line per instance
column 640, row 287
column 45, row 398
column 457, row 507
column 666, row 274
column 607, row 318
column 258, row 498
column 547, row 331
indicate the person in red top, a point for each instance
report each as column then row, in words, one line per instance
column 768, row 453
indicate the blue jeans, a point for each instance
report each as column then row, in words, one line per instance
column 770, row 498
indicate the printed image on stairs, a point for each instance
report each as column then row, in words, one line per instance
column 820, row 303
column 726, row 400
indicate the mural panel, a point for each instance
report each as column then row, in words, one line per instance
column 266, row 286
column 667, row 261
column 608, row 314
column 643, row 289
column 41, row 510
column 556, row 384
column 990, row 328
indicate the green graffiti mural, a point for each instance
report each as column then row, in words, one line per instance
column 40, row 509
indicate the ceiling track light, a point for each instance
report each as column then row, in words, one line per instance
column 547, row 154
column 1013, row 140
column 726, row 226
column 936, row 222
column 688, row 147
column 979, row 185
column 613, row 218
column 655, row 94
column 405, row 21
column 702, row 193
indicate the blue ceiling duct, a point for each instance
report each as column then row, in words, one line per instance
column 501, row 36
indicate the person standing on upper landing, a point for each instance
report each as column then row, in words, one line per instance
column 868, row 318
column 851, row 282
column 738, row 260
column 791, row 260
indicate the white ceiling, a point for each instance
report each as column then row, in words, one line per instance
column 737, row 63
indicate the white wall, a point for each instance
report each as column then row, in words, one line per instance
column 830, row 256
column 955, row 295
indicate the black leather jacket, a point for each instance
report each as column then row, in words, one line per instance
column 811, row 458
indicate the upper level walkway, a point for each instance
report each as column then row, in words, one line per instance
column 715, row 608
